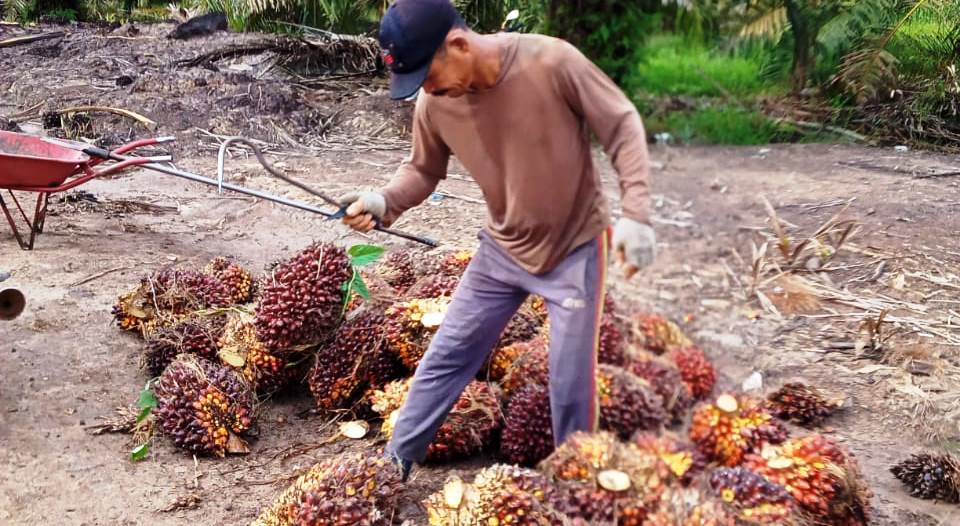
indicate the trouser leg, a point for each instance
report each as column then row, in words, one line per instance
column 482, row 305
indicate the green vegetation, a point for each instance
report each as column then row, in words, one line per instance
column 717, row 125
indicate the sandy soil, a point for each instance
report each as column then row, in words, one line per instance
column 65, row 365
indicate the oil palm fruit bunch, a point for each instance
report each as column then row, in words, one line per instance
column 339, row 370
column 302, row 299
column 204, row 407
column 467, row 430
column 236, row 279
column 527, row 436
column 523, row 327
column 757, row 500
column 689, row 507
column 499, row 495
column 434, row 286
column 241, row 348
column 665, row 379
column 696, row 370
column 682, row 459
column 398, row 269
column 410, row 325
column 627, row 403
column 531, row 366
column 612, row 348
column 500, row 361
column 733, row 426
column 195, row 334
column 823, row 479
column 342, row 490
column 656, row 333
column 455, row 263
column 930, row 476
column 597, row 478
column 801, row 404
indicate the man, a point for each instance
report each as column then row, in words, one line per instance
column 517, row 111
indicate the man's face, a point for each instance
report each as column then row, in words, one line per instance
column 451, row 72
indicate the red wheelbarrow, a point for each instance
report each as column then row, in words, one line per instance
column 45, row 166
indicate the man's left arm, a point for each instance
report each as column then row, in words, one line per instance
column 618, row 127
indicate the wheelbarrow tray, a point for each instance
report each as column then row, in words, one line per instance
column 29, row 161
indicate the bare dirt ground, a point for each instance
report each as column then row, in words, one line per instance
column 65, row 365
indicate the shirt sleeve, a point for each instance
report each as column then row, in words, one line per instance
column 421, row 171
column 615, row 122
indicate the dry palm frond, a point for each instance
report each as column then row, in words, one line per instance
column 771, row 25
column 868, row 74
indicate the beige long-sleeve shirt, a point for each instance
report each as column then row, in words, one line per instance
column 526, row 142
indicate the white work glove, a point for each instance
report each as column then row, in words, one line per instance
column 634, row 245
column 363, row 209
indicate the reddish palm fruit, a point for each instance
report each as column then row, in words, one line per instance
column 682, row 459
column 801, row 404
column 499, row 495
column 398, row 270
column 612, row 348
column 732, row 427
column 343, row 490
column 527, row 436
column 236, row 279
column 194, row 335
column 434, row 286
column 410, row 325
column 656, row 333
column 689, row 507
column 627, row 403
column 303, row 298
column 499, row 362
column 532, row 366
column 339, row 370
column 455, row 263
column 758, row 500
column 696, row 370
column 930, row 476
column 664, row 376
column 203, row 406
column 822, row 478
column 241, row 348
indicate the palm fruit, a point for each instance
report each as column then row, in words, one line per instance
column 203, row 406
column 758, row 500
column 410, row 325
column 612, row 348
column 732, row 427
column 689, row 507
column 499, row 362
column 822, row 478
column 523, row 326
column 195, row 335
column 236, row 279
column 664, row 377
column 342, row 490
column 930, row 476
column 531, row 366
column 241, row 348
column 801, row 404
column 696, row 370
column 627, row 403
column 680, row 458
column 398, row 270
column 339, row 371
column 499, row 495
column 467, row 430
column 434, row 286
column 598, row 478
column 303, row 298
column 656, row 333
column 527, row 436
column 455, row 263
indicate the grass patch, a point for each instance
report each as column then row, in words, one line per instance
column 675, row 66
column 716, row 125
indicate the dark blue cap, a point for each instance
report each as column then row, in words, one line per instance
column 411, row 32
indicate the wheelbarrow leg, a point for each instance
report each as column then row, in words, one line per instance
column 36, row 226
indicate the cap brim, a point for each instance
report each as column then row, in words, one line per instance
column 406, row 85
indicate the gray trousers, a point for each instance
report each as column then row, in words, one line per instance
column 489, row 294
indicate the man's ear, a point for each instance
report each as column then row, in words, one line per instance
column 458, row 41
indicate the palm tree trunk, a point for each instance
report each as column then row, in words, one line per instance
column 803, row 59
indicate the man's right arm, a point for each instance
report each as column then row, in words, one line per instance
column 421, row 171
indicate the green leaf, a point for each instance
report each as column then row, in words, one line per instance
column 140, row 452
column 361, row 255
column 147, row 399
column 360, row 286
column 143, row 414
